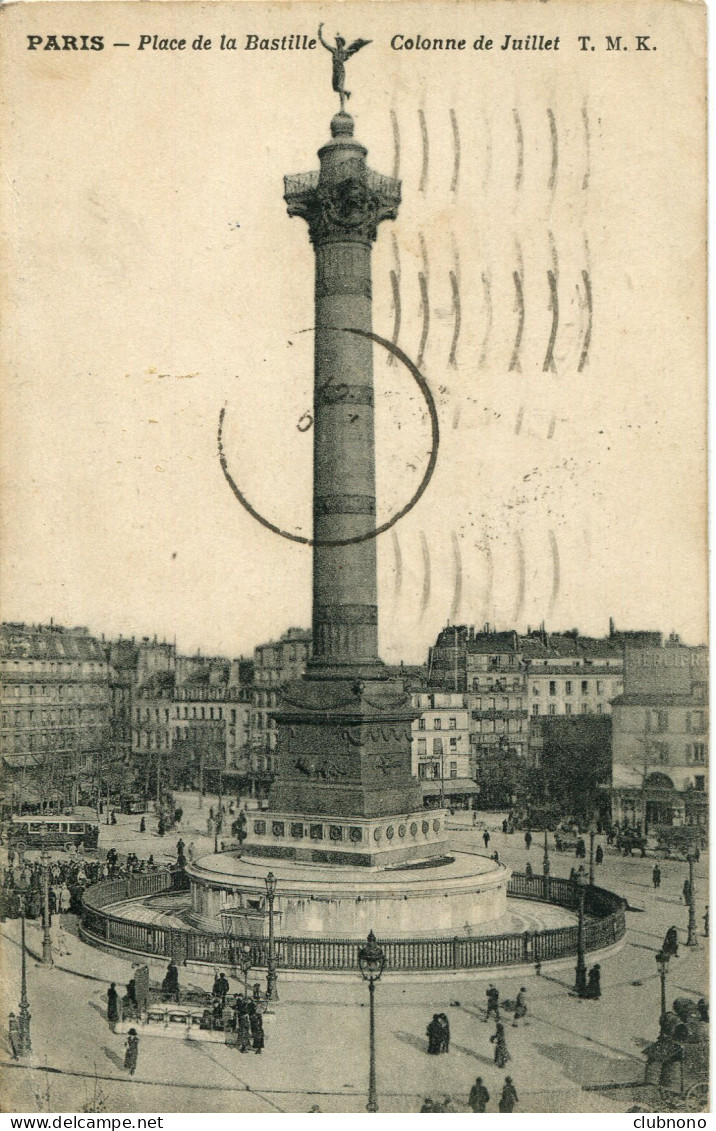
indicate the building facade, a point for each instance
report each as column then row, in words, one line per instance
column 55, row 713
column 441, row 749
column 659, row 775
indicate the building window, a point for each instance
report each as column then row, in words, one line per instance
column 568, row 687
column 568, row 708
column 421, row 723
column 453, row 769
column 552, row 687
column 552, row 709
column 422, row 746
column 535, row 708
column 453, row 743
column 699, row 752
column 600, row 708
column 437, row 746
column 423, row 770
column 453, row 724
column 699, row 781
column 599, row 687
column 585, row 687
column 584, row 708
column 437, row 724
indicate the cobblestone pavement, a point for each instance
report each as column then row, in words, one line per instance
column 316, row 1049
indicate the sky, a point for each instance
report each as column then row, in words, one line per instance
column 544, row 273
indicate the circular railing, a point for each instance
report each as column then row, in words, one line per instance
column 604, row 925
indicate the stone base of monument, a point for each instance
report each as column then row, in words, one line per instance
column 356, row 841
column 449, row 895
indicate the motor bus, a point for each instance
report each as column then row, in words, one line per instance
column 39, row 831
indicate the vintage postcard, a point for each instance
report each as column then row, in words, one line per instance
column 353, row 656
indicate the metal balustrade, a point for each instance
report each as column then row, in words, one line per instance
column 605, row 925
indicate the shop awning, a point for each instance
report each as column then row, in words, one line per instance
column 450, row 786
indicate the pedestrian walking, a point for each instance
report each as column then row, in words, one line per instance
column 528, row 840
column 486, row 838
column 670, row 946
column 65, row 899
column 599, row 854
column 528, row 869
column 221, row 987
column 13, row 1031
column 170, row 983
column 493, row 1003
column 498, row 1040
column 143, row 825
column 434, row 1033
column 447, row 1104
column 444, row 1033
column 594, row 983
column 479, row 1097
column 504, row 825
column 520, row 1007
column 112, row 1006
column 243, row 1024
column 508, row 1099
column 656, row 877
column 496, row 856
column 256, row 1022
column 113, row 821
column 131, row 1052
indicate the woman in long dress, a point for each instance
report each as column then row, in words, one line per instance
column 257, row 1031
column 132, row 1051
column 112, row 1006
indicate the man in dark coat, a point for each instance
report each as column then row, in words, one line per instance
column 112, row 1006
column 671, row 943
column 493, row 1003
column 656, row 877
column 170, row 985
column 599, row 854
column 434, row 1033
column 486, row 838
column 528, row 840
column 479, row 1096
column 508, row 1099
column 221, row 987
column 594, row 984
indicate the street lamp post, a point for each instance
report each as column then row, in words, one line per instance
column 662, row 965
column 23, row 1021
column 245, row 964
column 545, row 865
column 691, row 939
column 219, row 818
column 371, row 962
column 271, row 991
column 46, row 938
column 592, row 832
column 580, row 978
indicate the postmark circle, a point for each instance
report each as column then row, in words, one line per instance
column 422, row 384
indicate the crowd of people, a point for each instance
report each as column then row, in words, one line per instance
column 22, row 881
column 477, row 1100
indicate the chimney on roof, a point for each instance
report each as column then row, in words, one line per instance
column 611, row 626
